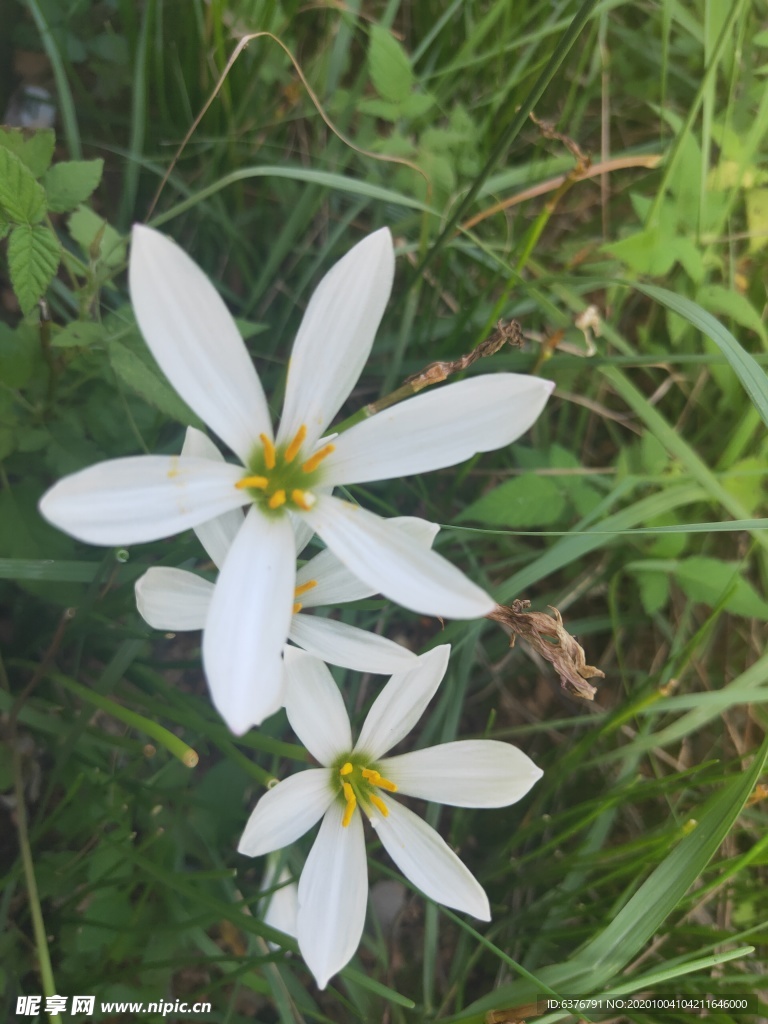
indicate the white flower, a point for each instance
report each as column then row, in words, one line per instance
column 288, row 477
column 334, row 883
column 177, row 600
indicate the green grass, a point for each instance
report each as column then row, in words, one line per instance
column 637, row 864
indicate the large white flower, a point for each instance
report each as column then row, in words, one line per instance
column 333, row 886
column 178, row 600
column 288, row 477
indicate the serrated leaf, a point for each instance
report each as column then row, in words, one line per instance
column 33, row 259
column 22, row 199
column 525, row 501
column 78, row 334
column 389, row 65
column 34, row 147
column 91, row 231
column 149, row 383
column 69, row 184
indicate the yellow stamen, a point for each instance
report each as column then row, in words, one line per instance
column 349, row 796
column 378, row 780
column 269, row 451
column 259, row 482
column 297, row 607
column 277, row 499
column 379, row 804
column 346, row 769
column 304, row 587
column 294, row 447
column 303, row 499
column 311, row 464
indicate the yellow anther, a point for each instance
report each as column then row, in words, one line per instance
column 259, row 482
column 346, row 769
column 349, row 810
column 269, row 451
column 294, row 447
column 376, row 779
column 303, row 499
column 297, row 607
column 379, row 804
column 304, row 587
column 312, row 463
column 277, row 499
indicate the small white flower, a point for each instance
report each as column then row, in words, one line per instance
column 288, row 477
column 178, row 600
column 333, row 887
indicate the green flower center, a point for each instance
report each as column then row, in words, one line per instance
column 357, row 784
column 281, row 478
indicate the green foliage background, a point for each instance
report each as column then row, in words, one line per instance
column 635, row 505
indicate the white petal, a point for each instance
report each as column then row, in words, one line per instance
column 427, row 860
column 439, row 428
column 401, row 703
column 287, row 811
column 248, row 621
column 467, row 773
column 347, row 646
column 336, row 335
column 333, row 893
column 141, row 498
column 195, row 341
column 303, row 531
column 315, row 707
column 217, row 534
column 400, row 568
column 282, row 907
column 173, row 599
column 336, row 584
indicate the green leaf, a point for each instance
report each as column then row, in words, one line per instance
column 646, row 252
column 417, row 104
column 655, row 251
column 22, row 199
column 726, row 302
column 96, row 238
column 654, row 590
column 78, row 334
column 744, row 366
column 68, row 184
column 708, row 580
column 33, row 147
column 148, row 382
column 33, row 259
column 384, row 109
column 756, row 201
column 390, row 68
column 19, row 354
column 528, row 500
column 746, row 480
